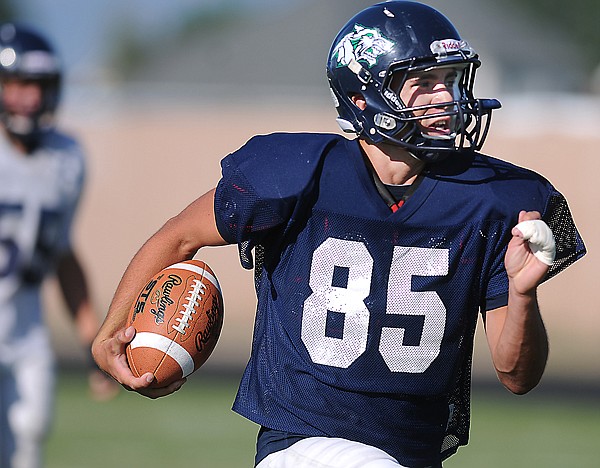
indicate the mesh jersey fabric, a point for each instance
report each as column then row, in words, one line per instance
column 365, row 317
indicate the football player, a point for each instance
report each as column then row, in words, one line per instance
column 374, row 257
column 41, row 177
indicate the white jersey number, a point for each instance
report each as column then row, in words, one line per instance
column 10, row 216
column 326, row 298
column 28, row 238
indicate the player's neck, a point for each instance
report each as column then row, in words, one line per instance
column 393, row 164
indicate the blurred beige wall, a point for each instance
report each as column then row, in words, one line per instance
column 146, row 163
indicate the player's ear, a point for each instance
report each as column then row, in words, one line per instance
column 359, row 101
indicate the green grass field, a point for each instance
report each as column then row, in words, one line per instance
column 196, row 428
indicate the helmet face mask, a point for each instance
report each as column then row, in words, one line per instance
column 378, row 51
column 26, row 57
column 409, row 114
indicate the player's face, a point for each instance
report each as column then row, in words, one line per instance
column 430, row 88
column 21, row 97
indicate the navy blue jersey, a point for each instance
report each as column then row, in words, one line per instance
column 366, row 317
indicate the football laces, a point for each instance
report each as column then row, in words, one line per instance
column 189, row 307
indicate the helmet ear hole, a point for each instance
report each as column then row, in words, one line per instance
column 359, row 101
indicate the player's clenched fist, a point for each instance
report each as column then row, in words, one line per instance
column 530, row 252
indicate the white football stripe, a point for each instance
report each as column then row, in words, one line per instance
column 167, row 346
column 200, row 271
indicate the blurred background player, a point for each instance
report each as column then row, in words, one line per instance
column 41, row 179
column 374, row 257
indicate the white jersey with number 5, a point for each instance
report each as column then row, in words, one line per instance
column 38, row 196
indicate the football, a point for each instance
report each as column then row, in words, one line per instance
column 178, row 317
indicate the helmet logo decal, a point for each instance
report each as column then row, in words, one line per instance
column 8, row 57
column 446, row 46
column 361, row 45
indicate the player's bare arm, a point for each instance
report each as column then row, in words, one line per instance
column 516, row 333
column 75, row 290
column 178, row 239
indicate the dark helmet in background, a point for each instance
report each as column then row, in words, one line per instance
column 382, row 45
column 25, row 55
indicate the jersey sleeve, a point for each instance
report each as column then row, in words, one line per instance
column 73, row 171
column 497, row 285
column 569, row 244
column 263, row 185
column 242, row 216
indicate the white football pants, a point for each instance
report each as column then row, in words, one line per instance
column 327, row 452
column 26, row 407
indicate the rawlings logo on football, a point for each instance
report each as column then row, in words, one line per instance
column 212, row 326
column 361, row 45
column 162, row 298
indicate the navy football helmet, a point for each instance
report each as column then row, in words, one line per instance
column 381, row 46
column 27, row 56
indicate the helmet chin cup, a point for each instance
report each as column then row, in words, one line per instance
column 426, row 149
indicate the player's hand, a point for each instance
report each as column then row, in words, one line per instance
column 110, row 356
column 529, row 254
